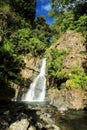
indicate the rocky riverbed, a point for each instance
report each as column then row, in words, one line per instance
column 20, row 116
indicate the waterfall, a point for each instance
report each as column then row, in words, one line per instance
column 38, row 87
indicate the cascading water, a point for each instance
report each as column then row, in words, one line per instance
column 37, row 90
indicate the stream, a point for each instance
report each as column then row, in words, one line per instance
column 71, row 120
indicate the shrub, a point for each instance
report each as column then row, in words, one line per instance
column 77, row 79
column 36, row 46
column 56, row 72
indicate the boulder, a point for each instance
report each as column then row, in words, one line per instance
column 65, row 99
column 32, row 128
column 20, row 125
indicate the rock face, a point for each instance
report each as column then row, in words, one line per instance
column 73, row 43
column 31, row 70
column 68, row 99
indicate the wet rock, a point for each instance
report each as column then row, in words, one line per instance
column 18, row 116
column 62, row 107
column 32, row 128
column 52, row 127
column 46, row 119
column 55, row 127
column 39, row 125
column 19, row 125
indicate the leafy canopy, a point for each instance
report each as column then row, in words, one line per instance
column 20, row 33
column 25, row 8
column 70, row 15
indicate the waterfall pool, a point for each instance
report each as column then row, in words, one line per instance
column 35, row 103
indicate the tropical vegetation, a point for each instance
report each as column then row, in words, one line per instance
column 21, row 34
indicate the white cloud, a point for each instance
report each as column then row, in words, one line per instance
column 47, row 7
column 42, row 1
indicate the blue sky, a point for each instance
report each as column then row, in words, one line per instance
column 42, row 8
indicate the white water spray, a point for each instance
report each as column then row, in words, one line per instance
column 37, row 89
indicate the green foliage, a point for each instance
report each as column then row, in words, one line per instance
column 42, row 30
column 24, row 42
column 24, row 8
column 9, row 21
column 36, row 47
column 70, row 15
column 62, row 73
column 7, row 47
column 19, row 36
column 24, row 24
column 81, row 25
column 68, row 21
column 77, row 79
column 58, row 75
column 10, row 64
column 20, row 40
column 55, row 70
column 62, row 5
